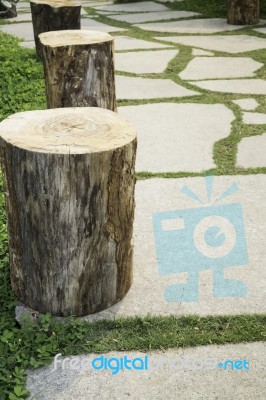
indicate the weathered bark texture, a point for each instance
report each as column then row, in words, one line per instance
column 243, row 12
column 69, row 176
column 79, row 69
column 53, row 15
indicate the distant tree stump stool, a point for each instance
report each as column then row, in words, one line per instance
column 53, row 15
column 79, row 69
column 69, row 177
column 243, row 12
column 8, row 10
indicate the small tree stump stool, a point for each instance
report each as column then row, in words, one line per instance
column 69, row 177
column 243, row 12
column 79, row 69
column 53, row 15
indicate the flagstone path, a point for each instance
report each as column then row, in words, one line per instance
column 227, row 43
column 155, row 16
column 220, row 67
column 129, row 43
column 131, row 88
column 239, row 86
column 251, row 151
column 166, row 131
column 190, row 26
column 198, row 243
column 254, row 118
column 247, row 104
column 145, row 6
column 145, row 62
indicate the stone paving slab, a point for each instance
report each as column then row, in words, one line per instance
column 155, row 16
column 189, row 373
column 144, row 62
column 228, row 43
column 247, row 104
column 21, row 17
column 129, row 43
column 191, row 26
column 199, row 52
column 251, row 152
column 22, row 30
column 91, row 24
column 220, row 67
column 108, row 14
column 240, row 86
column 178, row 137
column 96, row 3
column 134, row 7
column 143, row 88
column 83, row 12
column 254, row 118
column 260, row 30
column 28, row 45
column 228, row 274
column 23, row 5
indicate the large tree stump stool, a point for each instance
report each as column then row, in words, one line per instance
column 79, row 69
column 243, row 12
column 69, row 176
column 53, row 15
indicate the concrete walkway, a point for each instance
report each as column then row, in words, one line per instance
column 199, row 243
column 195, row 373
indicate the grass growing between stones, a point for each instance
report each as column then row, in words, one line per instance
column 224, row 152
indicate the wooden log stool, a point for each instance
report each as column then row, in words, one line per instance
column 53, row 15
column 79, row 69
column 69, row 182
column 243, row 12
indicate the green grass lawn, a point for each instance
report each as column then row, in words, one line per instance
column 33, row 345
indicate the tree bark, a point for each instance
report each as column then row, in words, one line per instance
column 79, row 69
column 53, row 15
column 69, row 177
column 243, row 12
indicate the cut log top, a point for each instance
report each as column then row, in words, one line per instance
column 58, row 3
column 73, row 37
column 67, row 130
